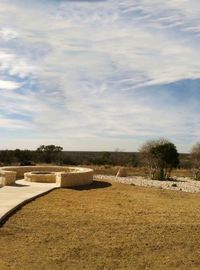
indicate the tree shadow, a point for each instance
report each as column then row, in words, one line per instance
column 173, row 180
column 94, row 185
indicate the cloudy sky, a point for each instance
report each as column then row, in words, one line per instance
column 99, row 75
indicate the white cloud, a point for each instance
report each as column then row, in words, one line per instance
column 15, row 65
column 93, row 66
column 9, row 85
column 12, row 124
column 8, row 34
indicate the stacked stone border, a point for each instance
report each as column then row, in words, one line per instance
column 62, row 176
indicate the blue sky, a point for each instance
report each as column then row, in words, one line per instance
column 99, row 75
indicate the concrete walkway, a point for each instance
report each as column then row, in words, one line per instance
column 12, row 197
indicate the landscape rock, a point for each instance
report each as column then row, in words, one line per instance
column 180, row 183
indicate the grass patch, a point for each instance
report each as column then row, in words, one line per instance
column 106, row 226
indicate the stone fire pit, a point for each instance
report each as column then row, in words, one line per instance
column 41, row 177
column 61, row 175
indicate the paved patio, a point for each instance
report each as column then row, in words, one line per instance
column 21, row 192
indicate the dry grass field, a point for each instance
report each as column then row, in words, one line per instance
column 135, row 171
column 105, row 226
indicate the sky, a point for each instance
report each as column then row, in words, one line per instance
column 99, row 75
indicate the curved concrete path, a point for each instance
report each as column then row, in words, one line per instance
column 12, row 197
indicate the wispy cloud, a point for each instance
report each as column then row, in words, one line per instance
column 9, row 85
column 100, row 74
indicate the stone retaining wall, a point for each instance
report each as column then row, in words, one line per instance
column 40, row 178
column 21, row 170
column 63, row 176
column 2, row 181
column 78, row 178
column 10, row 176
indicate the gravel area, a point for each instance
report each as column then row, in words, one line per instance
column 178, row 183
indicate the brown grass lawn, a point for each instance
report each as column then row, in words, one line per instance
column 104, row 227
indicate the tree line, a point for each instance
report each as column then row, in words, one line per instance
column 55, row 154
column 159, row 156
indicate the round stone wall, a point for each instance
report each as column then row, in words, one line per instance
column 63, row 176
column 40, row 177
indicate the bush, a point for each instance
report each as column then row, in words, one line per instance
column 160, row 156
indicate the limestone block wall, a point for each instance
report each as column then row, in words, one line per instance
column 41, row 178
column 10, row 177
column 2, row 181
column 79, row 178
column 21, row 170
column 63, row 176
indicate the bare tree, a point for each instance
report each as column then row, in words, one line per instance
column 195, row 161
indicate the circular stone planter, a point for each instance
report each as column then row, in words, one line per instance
column 40, row 177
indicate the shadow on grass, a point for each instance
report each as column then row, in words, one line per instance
column 94, row 185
